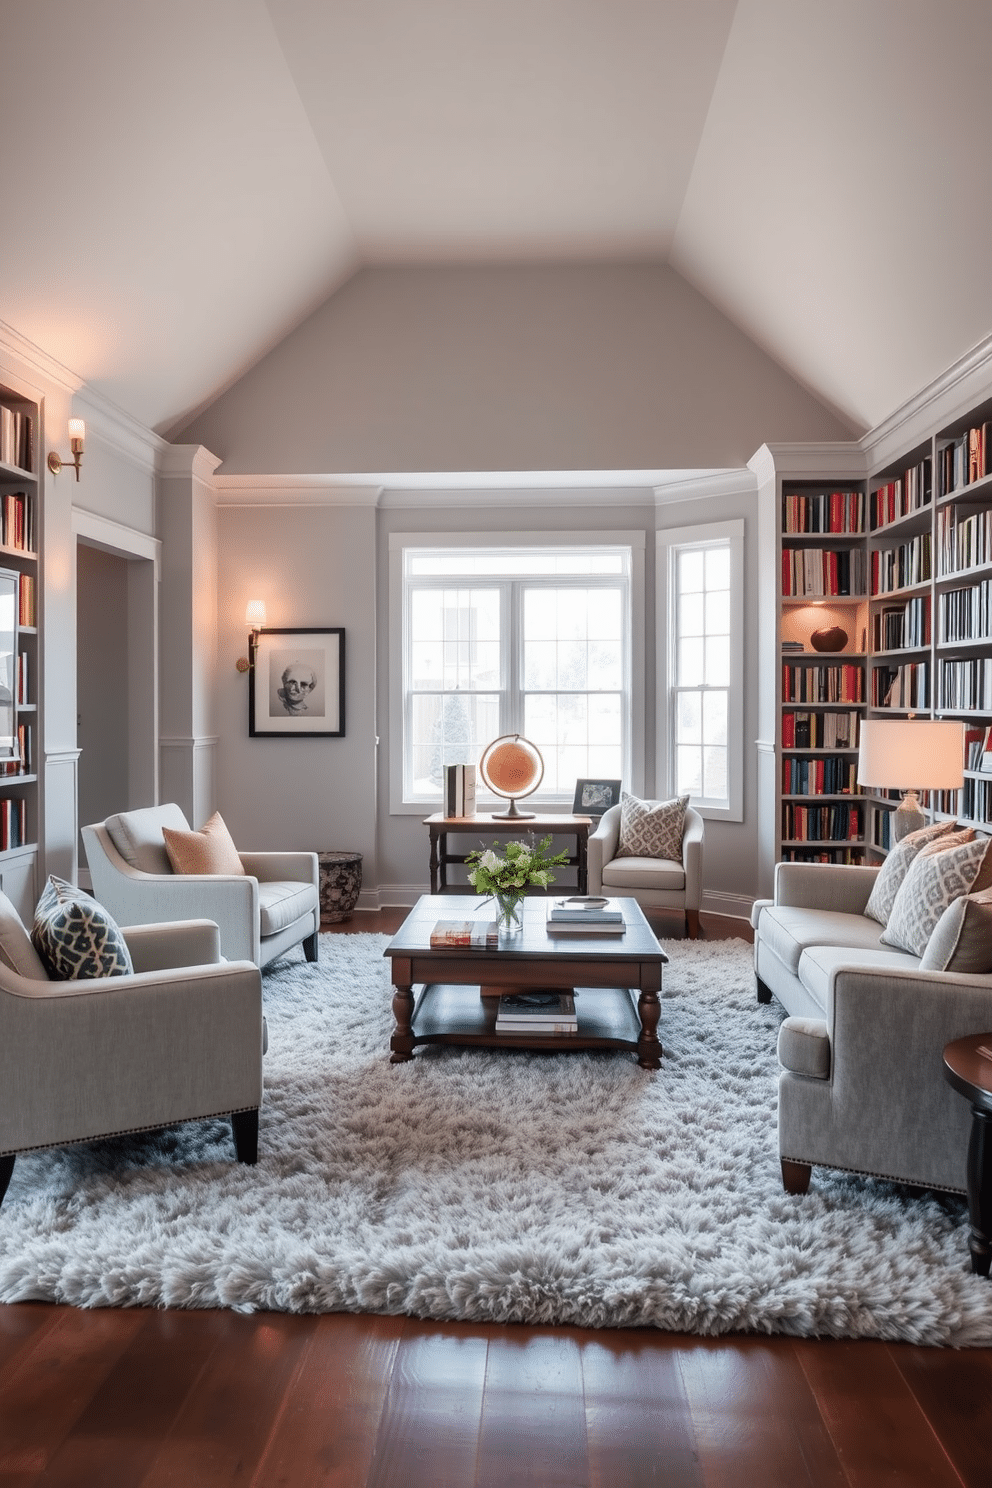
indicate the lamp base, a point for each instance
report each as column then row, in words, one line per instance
column 907, row 816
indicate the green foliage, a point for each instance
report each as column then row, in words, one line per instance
column 522, row 866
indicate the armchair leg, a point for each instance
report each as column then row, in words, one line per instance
column 764, row 993
column 692, row 923
column 310, row 947
column 6, row 1172
column 244, row 1125
column 795, row 1175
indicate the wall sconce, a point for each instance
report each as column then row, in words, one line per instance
column 77, row 439
column 254, row 617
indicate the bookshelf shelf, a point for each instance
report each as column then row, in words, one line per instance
column 20, row 544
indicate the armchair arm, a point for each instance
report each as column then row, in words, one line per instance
column 153, row 898
column 289, row 867
column 692, row 859
column 836, row 886
column 164, row 947
column 601, row 847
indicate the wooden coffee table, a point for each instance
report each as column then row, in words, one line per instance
column 617, row 979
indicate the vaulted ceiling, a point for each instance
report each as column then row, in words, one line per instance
column 185, row 181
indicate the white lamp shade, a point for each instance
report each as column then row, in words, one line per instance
column 77, row 431
column 255, row 612
column 911, row 754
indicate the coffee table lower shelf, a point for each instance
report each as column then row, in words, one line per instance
column 608, row 1019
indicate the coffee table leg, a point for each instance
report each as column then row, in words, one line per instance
column 980, row 1191
column 401, row 1042
column 649, row 1050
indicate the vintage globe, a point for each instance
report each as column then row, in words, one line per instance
column 512, row 767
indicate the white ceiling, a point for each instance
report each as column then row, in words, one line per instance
column 184, row 181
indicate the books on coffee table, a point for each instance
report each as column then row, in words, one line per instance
column 481, row 934
column 595, row 921
column 537, row 1011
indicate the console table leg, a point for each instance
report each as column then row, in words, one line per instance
column 434, row 860
column 980, row 1191
column 649, row 1050
column 401, row 1042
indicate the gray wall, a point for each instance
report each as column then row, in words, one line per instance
column 101, row 682
column 511, row 368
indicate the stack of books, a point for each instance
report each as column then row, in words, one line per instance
column 585, row 915
column 483, row 935
column 537, row 1012
column 459, row 790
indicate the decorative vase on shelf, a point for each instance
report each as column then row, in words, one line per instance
column 509, row 911
column 830, row 639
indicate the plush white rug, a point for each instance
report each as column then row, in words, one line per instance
column 567, row 1188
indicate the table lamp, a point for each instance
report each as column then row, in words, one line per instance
column 910, row 754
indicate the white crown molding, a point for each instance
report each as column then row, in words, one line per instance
column 182, row 461
column 36, row 363
column 963, row 384
column 697, row 485
column 114, row 537
column 797, row 461
column 294, row 490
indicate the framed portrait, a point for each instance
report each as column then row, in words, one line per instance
column 9, row 597
column 296, row 684
column 593, row 797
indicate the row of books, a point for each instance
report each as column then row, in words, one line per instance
column 13, row 823
column 820, row 730
column 965, row 459
column 823, row 511
column 964, row 540
column 482, row 935
column 906, row 686
column 459, row 790
column 22, row 762
column 820, row 823
column 898, row 568
column 844, row 683
column 978, row 749
column 966, row 685
column 966, row 614
column 881, row 829
column 537, row 1011
column 907, row 493
column 584, row 914
column 976, row 801
column 16, row 438
column 27, row 609
column 846, row 855
column 17, row 522
column 820, row 572
column 831, row 775
column 23, row 678
column 899, row 627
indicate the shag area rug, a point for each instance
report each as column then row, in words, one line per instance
column 513, row 1187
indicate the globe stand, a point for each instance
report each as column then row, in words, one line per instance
column 514, row 814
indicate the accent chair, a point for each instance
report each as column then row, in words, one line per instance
column 656, row 883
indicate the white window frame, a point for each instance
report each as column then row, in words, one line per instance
column 667, row 546
column 401, row 542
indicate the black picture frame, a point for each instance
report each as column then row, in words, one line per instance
column 296, row 683
column 593, row 797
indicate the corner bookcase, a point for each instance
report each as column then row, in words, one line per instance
column 20, row 545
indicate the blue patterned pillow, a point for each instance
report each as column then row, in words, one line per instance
column 75, row 937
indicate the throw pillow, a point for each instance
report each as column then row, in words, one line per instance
column 75, row 936
column 651, row 829
column 962, row 937
column 896, row 866
column 210, row 850
column 935, row 879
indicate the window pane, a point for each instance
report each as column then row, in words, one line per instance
column 692, row 610
column 715, row 785
column 448, row 729
column 690, row 570
column 691, row 655
column 718, row 661
column 716, row 706
column 718, row 611
column 688, row 722
column 718, row 567
column 688, row 770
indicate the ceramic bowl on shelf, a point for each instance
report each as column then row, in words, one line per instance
column 830, row 639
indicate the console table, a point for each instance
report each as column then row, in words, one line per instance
column 483, row 827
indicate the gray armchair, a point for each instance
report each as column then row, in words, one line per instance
column 656, row 883
column 273, row 907
column 179, row 1040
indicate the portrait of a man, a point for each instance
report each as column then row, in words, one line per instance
column 297, row 681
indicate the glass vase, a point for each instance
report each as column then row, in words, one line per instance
column 509, row 911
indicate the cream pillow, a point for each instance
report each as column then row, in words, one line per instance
column 210, row 850
column 937, row 876
column 896, row 866
column 651, row 829
column 962, row 937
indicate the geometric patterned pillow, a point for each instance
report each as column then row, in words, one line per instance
column 75, row 936
column 896, row 866
column 651, row 829
column 935, row 879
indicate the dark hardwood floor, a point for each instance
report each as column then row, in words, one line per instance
column 122, row 1398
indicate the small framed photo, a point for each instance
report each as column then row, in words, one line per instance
column 593, row 797
column 296, row 684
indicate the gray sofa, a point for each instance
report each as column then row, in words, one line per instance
column 862, row 1084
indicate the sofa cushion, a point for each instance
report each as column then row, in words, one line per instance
column 75, row 936
column 16, row 950
column 651, row 829
column 804, row 1047
column 896, row 866
column 137, row 836
column 818, row 963
column 282, row 903
column 210, row 850
column 624, row 874
column 788, row 929
column 962, row 937
column 936, row 877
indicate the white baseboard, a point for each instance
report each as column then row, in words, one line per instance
column 731, row 906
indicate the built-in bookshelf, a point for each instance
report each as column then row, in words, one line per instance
column 20, row 543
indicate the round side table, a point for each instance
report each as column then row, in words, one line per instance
column 340, row 884
column 968, row 1067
